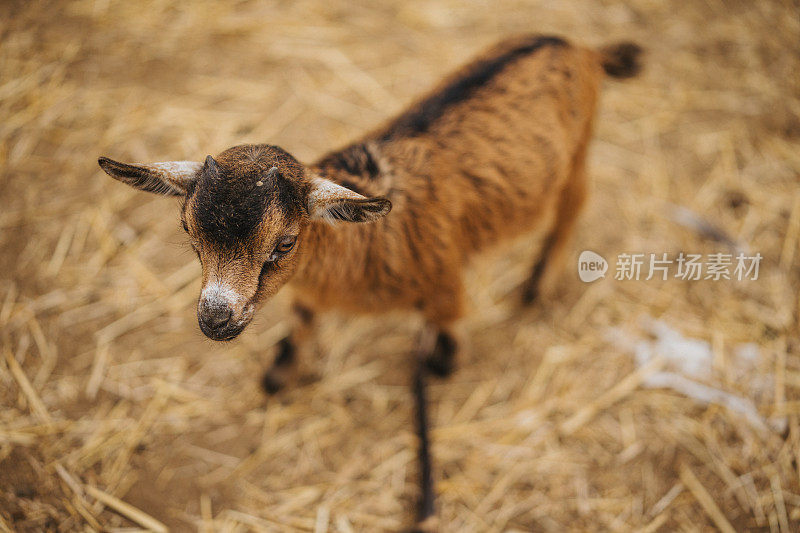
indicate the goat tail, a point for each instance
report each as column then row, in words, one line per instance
column 621, row 60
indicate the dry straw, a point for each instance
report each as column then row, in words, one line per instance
column 118, row 415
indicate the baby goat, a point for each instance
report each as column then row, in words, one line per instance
column 484, row 157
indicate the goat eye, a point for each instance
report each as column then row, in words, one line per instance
column 185, row 227
column 286, row 244
column 284, row 247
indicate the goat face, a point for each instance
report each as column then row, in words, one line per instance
column 245, row 212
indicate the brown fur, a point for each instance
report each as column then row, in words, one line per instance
column 484, row 157
column 489, row 170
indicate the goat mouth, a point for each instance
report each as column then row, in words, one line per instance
column 227, row 333
column 232, row 329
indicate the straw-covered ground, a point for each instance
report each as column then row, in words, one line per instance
column 117, row 413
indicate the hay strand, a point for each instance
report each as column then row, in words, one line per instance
column 137, row 515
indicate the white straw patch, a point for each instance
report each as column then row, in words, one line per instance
column 690, row 364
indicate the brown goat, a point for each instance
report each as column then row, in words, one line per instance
column 484, row 157
column 480, row 159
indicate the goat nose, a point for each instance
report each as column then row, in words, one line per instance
column 217, row 317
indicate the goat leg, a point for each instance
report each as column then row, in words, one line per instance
column 426, row 509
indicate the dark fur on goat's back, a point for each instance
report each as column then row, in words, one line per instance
column 357, row 166
column 355, row 159
column 424, row 113
column 228, row 204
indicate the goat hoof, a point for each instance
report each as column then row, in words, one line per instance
column 271, row 384
column 530, row 294
column 428, row 525
column 439, row 366
column 442, row 362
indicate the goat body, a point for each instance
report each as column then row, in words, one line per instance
column 482, row 158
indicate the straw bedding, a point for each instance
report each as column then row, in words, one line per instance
column 117, row 414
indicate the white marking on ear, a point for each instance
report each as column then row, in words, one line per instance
column 323, row 197
column 179, row 169
column 168, row 177
column 178, row 173
column 326, row 190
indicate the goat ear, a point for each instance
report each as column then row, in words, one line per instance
column 332, row 203
column 171, row 178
